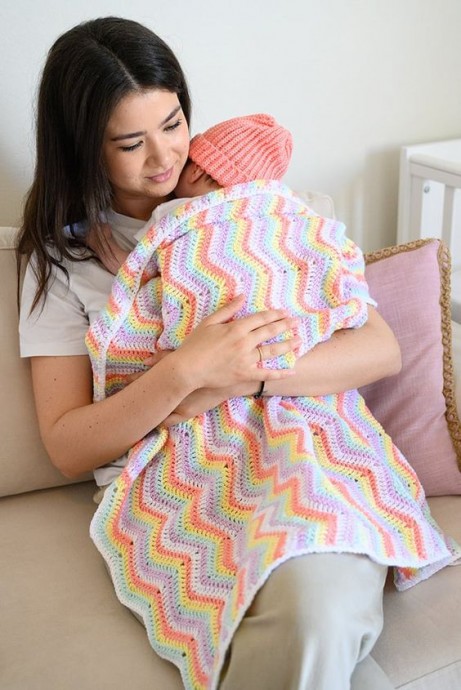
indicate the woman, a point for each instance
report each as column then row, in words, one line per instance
column 112, row 138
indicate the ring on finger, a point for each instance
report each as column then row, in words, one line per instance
column 258, row 347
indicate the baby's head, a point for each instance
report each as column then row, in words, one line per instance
column 239, row 150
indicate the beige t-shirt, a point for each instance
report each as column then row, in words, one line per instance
column 59, row 329
column 70, row 307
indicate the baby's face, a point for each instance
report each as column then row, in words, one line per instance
column 186, row 185
column 193, row 182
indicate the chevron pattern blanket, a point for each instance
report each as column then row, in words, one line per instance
column 205, row 511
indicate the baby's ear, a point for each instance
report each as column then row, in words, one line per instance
column 194, row 172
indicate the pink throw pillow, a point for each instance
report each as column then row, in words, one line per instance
column 417, row 408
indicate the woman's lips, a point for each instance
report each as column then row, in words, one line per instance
column 161, row 177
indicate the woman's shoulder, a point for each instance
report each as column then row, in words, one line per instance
column 75, row 294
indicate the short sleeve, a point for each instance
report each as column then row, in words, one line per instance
column 58, row 325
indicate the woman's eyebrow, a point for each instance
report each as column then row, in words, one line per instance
column 133, row 135
column 119, row 137
column 172, row 114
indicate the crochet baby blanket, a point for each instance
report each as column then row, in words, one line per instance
column 205, row 510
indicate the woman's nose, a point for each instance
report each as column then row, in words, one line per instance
column 157, row 154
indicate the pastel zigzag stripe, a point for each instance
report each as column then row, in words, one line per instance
column 205, row 510
column 259, row 263
column 265, row 536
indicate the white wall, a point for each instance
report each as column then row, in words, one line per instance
column 353, row 80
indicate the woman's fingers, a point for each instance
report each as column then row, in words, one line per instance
column 226, row 312
column 223, row 350
column 264, row 325
column 272, row 329
column 150, row 361
column 276, row 349
column 275, row 320
column 155, row 357
column 132, row 377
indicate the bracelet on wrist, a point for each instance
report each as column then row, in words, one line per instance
column 260, row 392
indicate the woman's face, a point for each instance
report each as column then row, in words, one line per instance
column 145, row 148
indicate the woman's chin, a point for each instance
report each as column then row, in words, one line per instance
column 156, row 188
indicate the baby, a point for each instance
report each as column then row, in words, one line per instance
column 242, row 149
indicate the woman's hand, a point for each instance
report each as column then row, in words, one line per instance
column 350, row 359
column 201, row 401
column 222, row 352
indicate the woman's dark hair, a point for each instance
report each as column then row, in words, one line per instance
column 89, row 69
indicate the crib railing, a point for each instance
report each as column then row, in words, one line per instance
column 422, row 170
column 430, row 201
column 430, row 194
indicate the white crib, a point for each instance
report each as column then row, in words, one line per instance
column 430, row 201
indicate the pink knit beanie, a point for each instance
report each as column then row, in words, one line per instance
column 243, row 149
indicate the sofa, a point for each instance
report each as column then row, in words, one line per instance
column 61, row 625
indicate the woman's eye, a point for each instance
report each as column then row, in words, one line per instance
column 175, row 125
column 132, row 147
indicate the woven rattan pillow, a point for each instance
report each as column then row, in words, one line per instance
column 411, row 284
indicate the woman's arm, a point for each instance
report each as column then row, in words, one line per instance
column 80, row 435
column 349, row 359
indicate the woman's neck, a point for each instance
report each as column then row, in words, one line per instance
column 141, row 209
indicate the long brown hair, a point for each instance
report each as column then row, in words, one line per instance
column 89, row 69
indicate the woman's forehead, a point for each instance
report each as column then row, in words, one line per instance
column 141, row 109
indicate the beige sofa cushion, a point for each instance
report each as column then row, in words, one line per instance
column 61, row 625
column 24, row 463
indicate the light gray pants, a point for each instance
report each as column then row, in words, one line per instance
column 311, row 627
